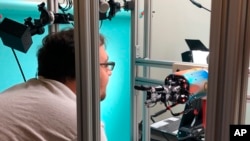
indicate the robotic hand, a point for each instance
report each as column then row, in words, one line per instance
column 179, row 88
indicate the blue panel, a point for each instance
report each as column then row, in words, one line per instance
column 115, row 109
column 19, row 8
column 10, row 74
column 9, row 70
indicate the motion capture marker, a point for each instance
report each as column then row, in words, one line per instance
column 1, row 16
column 141, row 14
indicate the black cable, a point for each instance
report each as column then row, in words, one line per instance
column 69, row 5
column 163, row 111
column 66, row 19
column 196, row 133
column 20, row 68
column 199, row 5
column 152, row 119
column 157, row 114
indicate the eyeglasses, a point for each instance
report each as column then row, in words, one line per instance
column 109, row 65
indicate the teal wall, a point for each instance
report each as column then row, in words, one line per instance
column 9, row 71
column 115, row 109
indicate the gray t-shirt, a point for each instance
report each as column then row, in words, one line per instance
column 38, row 110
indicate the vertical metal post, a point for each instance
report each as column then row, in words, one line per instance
column 134, row 97
column 94, row 28
column 146, row 54
column 53, row 6
column 228, row 67
column 87, row 69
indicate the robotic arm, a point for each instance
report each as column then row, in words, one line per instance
column 182, row 87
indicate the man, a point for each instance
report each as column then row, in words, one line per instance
column 44, row 108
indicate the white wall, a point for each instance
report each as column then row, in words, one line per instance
column 176, row 20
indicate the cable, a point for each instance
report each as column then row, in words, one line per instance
column 66, row 19
column 20, row 68
column 196, row 133
column 68, row 6
column 165, row 110
column 199, row 5
column 157, row 114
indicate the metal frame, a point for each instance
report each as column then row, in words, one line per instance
column 228, row 71
column 228, row 68
column 86, row 16
column 133, row 97
column 227, row 80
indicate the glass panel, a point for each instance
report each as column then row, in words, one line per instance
column 176, row 27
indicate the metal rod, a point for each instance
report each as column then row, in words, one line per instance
column 134, row 97
column 146, row 71
column 53, row 6
column 154, row 63
column 87, row 68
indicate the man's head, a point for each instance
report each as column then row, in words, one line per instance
column 106, row 67
column 56, row 57
column 56, row 60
